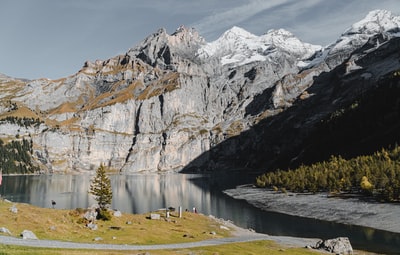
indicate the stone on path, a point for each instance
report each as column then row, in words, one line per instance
column 27, row 234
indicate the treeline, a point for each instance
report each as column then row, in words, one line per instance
column 377, row 175
column 23, row 122
column 15, row 157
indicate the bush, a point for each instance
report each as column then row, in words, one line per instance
column 103, row 214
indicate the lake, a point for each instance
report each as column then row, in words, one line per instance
column 142, row 193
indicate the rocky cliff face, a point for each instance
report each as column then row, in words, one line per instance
column 173, row 98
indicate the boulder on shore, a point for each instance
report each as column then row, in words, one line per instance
column 340, row 245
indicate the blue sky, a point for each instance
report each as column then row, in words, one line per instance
column 53, row 38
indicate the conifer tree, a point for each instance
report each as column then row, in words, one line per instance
column 101, row 189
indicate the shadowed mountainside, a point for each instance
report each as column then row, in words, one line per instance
column 347, row 114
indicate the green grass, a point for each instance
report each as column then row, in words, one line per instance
column 249, row 248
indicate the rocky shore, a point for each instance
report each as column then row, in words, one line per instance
column 322, row 206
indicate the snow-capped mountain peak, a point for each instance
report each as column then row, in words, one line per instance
column 238, row 46
column 286, row 41
column 235, row 33
column 376, row 21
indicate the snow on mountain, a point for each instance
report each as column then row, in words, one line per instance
column 238, row 46
column 376, row 21
column 171, row 99
column 286, row 41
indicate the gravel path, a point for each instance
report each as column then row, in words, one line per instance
column 294, row 242
column 240, row 235
column 70, row 245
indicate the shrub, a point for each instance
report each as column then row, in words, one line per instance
column 103, row 214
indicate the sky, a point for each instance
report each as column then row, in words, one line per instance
column 53, row 38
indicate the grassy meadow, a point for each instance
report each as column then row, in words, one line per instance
column 68, row 225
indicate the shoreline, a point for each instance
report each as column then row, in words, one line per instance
column 238, row 235
column 352, row 211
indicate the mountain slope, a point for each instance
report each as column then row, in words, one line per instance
column 349, row 114
column 176, row 102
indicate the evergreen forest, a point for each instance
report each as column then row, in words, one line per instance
column 15, row 157
column 376, row 175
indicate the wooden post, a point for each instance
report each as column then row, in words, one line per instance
column 180, row 211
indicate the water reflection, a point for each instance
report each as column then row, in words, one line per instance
column 131, row 193
column 144, row 193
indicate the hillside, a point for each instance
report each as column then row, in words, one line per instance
column 178, row 103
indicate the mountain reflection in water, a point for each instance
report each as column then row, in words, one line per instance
column 139, row 193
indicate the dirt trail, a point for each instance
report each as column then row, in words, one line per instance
column 240, row 235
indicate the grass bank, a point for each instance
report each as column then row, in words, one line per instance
column 66, row 225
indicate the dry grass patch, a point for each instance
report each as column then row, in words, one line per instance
column 68, row 225
column 22, row 112
column 9, row 88
column 165, row 84
column 235, row 128
column 66, row 107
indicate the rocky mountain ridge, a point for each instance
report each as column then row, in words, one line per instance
column 170, row 102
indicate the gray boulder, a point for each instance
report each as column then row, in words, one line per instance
column 340, row 245
column 117, row 213
column 92, row 226
column 27, row 234
column 90, row 215
column 5, row 230
column 155, row 216
column 14, row 209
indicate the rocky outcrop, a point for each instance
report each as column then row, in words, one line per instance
column 174, row 98
column 340, row 245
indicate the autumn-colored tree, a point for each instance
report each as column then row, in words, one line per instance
column 377, row 175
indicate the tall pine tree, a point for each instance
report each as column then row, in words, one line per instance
column 100, row 188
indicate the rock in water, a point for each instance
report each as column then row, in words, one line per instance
column 340, row 245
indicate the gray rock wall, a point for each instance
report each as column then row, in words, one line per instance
column 167, row 101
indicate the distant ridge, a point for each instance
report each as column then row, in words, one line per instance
column 176, row 102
